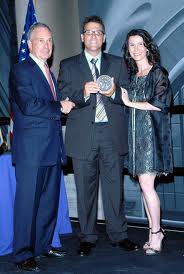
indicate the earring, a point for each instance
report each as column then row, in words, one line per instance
column 147, row 52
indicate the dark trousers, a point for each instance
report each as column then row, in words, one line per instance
column 107, row 162
column 35, row 209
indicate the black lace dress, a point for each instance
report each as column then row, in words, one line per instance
column 149, row 133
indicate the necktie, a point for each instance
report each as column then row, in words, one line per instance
column 94, row 69
column 100, row 110
column 50, row 80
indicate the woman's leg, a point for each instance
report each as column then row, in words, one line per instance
column 147, row 243
column 153, row 206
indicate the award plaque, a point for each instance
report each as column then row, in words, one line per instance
column 105, row 83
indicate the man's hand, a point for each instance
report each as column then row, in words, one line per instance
column 67, row 106
column 90, row 87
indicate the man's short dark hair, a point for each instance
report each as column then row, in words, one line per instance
column 93, row 19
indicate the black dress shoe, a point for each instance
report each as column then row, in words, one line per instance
column 127, row 245
column 55, row 253
column 29, row 265
column 85, row 248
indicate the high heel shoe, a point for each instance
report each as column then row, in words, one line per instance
column 151, row 251
column 163, row 232
column 147, row 243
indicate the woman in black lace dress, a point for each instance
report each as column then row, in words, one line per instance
column 150, row 152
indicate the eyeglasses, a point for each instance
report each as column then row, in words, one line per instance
column 94, row 32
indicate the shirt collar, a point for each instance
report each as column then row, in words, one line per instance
column 39, row 62
column 89, row 57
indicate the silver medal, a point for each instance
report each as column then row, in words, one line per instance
column 105, row 83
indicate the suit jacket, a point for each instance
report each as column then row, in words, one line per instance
column 74, row 72
column 37, row 136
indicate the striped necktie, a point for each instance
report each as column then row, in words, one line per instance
column 100, row 109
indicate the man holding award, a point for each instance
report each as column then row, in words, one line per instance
column 96, row 134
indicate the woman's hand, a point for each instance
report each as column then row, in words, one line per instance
column 137, row 105
column 125, row 97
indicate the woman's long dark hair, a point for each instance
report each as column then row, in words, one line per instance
column 153, row 51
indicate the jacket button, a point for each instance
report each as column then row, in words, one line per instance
column 92, row 123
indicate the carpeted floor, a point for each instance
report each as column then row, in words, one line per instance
column 108, row 260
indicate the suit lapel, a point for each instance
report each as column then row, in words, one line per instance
column 42, row 77
column 84, row 67
column 104, row 65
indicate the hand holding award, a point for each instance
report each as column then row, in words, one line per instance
column 105, row 84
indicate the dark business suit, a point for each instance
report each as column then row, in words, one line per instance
column 95, row 147
column 36, row 152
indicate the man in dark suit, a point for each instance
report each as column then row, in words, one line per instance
column 96, row 139
column 37, row 148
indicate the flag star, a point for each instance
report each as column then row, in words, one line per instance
column 23, row 41
column 23, row 50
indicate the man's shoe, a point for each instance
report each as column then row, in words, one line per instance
column 85, row 248
column 127, row 245
column 29, row 265
column 55, row 253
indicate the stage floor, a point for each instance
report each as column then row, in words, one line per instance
column 108, row 260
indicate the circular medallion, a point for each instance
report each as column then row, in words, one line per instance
column 105, row 83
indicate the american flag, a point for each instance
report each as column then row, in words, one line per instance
column 30, row 20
